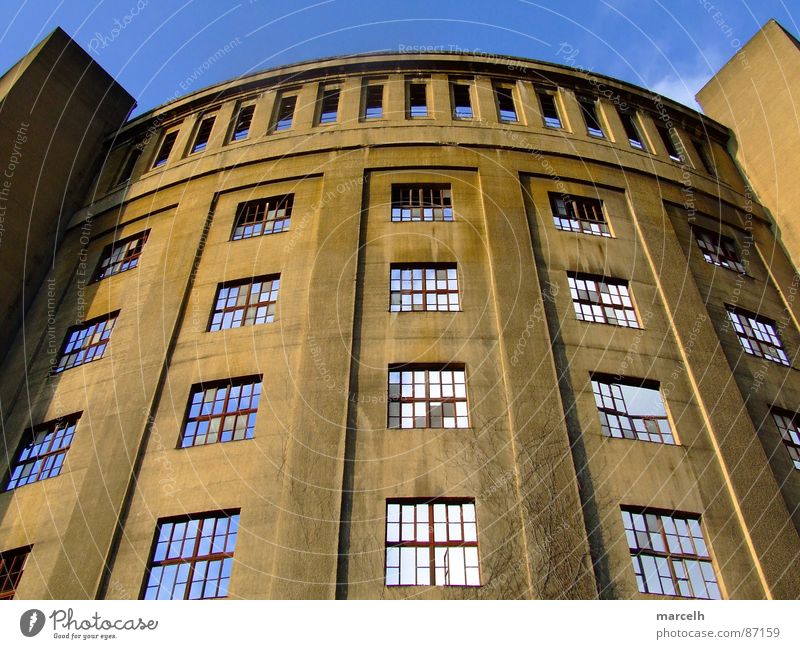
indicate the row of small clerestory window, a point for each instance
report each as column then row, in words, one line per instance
column 417, row 106
column 419, row 396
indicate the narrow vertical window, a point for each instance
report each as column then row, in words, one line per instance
column 432, row 542
column 121, row 255
column 373, row 101
column 632, row 409
column 417, row 99
column 165, row 149
column 12, row 563
column 427, row 396
column 669, row 554
column 506, row 108
column 203, row 134
column 628, row 120
column 192, row 557
column 589, row 110
column 423, row 287
column 547, row 102
column 284, row 113
column 221, row 411
column 462, row 100
column 421, row 203
column 263, row 216
column 126, row 173
column 788, row 424
column 245, row 302
column 758, row 335
column 703, row 152
column 42, row 451
column 601, row 299
column 241, row 127
column 329, row 105
column 671, row 143
column 86, row 342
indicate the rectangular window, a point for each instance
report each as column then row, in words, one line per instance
column 165, row 149
column 432, row 542
column 758, row 335
column 671, row 143
column 130, row 164
column 718, row 249
column 669, row 554
column 462, row 100
column 425, row 287
column 329, row 105
column 547, row 102
column 86, row 342
column 42, row 451
column 632, row 409
column 192, row 557
column 373, row 101
column 203, row 134
column 263, row 216
column 245, row 302
column 506, row 109
column 788, row 424
column 579, row 214
column 285, row 113
column 221, row 411
column 589, row 110
column 241, row 127
column 600, row 299
column 421, row 203
column 12, row 563
column 426, row 396
column 703, row 152
column 417, row 99
column 121, row 256
column 628, row 120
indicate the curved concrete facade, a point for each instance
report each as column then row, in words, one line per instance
column 312, row 485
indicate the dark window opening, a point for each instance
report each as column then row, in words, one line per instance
column 417, row 100
column 241, row 129
column 549, row 110
column 130, row 163
column 462, row 102
column 165, row 149
column 505, row 103
column 670, row 139
column 703, row 152
column 788, row 424
column 329, row 106
column 203, row 134
column 263, row 216
column 628, row 120
column 373, row 102
column 285, row 114
column 589, row 110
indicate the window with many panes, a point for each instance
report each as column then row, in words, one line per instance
column 669, row 554
column 12, row 563
column 42, row 451
column 602, row 299
column 428, row 396
column 203, row 134
column 284, row 113
column 86, row 342
column 547, row 102
column 462, row 99
column 121, row 255
column 718, row 249
column 192, row 557
column 263, row 216
column 589, row 110
column 373, row 100
column 221, row 411
column 421, row 203
column 329, row 105
column 672, row 144
column 432, row 543
column 417, row 98
column 245, row 302
column 241, row 126
column 165, row 149
column 758, row 335
column 628, row 119
column 504, row 96
column 788, row 424
column 579, row 214
column 632, row 409
column 423, row 287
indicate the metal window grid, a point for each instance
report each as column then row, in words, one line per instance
column 220, row 412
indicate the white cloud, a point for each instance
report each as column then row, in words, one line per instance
column 681, row 89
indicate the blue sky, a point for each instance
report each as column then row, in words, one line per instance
column 157, row 48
